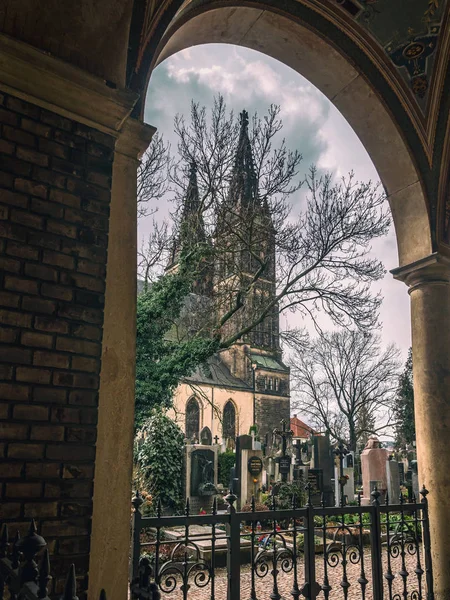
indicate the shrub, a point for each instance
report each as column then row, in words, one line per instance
column 159, row 461
column 226, row 461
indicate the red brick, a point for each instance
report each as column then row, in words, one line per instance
column 53, row 148
column 10, row 265
column 95, row 136
column 23, row 490
column 11, row 470
column 45, row 176
column 57, row 291
column 32, row 188
column 63, row 414
column 6, row 179
column 36, row 340
column 8, row 336
column 4, row 411
column 68, row 167
column 99, row 179
column 93, row 253
column 22, row 251
column 38, row 510
column 13, row 391
column 4, row 212
column 12, row 231
column 27, row 219
column 76, row 509
column 6, row 147
column 58, row 259
column 26, row 451
column 19, row 136
column 37, row 158
column 50, row 395
column 6, row 372
column 10, row 510
column 70, row 452
column 83, row 397
column 49, row 209
column 12, row 354
column 81, row 363
column 74, row 545
column 23, row 107
column 9, row 300
column 13, row 198
column 51, row 433
column 13, row 431
column 41, row 272
column 72, row 527
column 78, row 346
column 16, row 166
column 78, row 471
column 17, row 319
column 61, row 228
column 36, row 128
column 46, row 240
column 87, row 331
column 31, row 375
column 19, row 284
column 8, row 117
column 83, row 281
column 55, row 120
column 70, row 140
column 51, row 359
column 63, row 379
column 81, row 435
column 42, row 470
column 31, row 412
column 52, row 325
column 65, row 198
column 38, row 305
column 80, row 313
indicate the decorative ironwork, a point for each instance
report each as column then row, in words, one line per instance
column 284, row 547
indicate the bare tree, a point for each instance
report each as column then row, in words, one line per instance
column 152, row 178
column 346, row 384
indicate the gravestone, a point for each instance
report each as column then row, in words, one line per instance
column 349, row 487
column 323, row 459
column 415, row 480
column 206, row 436
column 251, row 475
column 401, row 472
column 373, row 465
column 201, row 476
column 393, row 481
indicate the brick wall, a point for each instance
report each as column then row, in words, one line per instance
column 55, row 179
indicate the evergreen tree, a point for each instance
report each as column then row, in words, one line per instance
column 404, row 406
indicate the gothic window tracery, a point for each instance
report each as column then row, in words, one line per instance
column 229, row 421
column 192, row 427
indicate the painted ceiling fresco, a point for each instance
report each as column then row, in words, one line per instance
column 408, row 31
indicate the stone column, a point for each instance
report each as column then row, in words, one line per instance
column 429, row 287
column 110, row 541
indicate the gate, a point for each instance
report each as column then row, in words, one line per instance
column 382, row 550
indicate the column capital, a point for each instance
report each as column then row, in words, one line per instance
column 134, row 138
column 433, row 269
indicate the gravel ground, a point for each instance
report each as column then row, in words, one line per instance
column 264, row 586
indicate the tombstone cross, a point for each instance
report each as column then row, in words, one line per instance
column 284, row 434
column 341, row 451
column 216, row 439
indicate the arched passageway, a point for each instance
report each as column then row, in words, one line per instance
column 354, row 92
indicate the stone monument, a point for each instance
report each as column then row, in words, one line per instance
column 201, row 476
column 393, row 480
column 374, row 473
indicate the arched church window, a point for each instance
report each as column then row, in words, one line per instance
column 192, row 419
column 229, row 421
column 206, row 436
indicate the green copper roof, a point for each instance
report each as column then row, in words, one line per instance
column 268, row 362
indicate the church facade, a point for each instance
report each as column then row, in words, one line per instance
column 247, row 383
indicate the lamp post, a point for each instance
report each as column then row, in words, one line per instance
column 341, row 452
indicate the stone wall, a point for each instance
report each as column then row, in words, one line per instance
column 55, row 177
column 270, row 410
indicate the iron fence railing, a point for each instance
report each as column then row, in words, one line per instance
column 25, row 572
column 381, row 550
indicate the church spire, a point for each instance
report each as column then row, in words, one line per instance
column 244, row 184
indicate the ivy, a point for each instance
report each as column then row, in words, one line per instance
column 159, row 460
column 226, row 461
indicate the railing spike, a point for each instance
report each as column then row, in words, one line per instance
column 102, row 595
column 253, row 504
column 4, row 541
column 159, row 508
column 359, row 498
column 16, row 551
column 375, row 495
column 70, row 587
column 386, row 500
column 137, row 501
column 294, row 501
column 424, row 493
column 44, row 575
column 187, row 508
column 214, row 506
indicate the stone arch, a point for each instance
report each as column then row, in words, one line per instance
column 229, row 420
column 205, row 436
column 288, row 40
column 193, row 415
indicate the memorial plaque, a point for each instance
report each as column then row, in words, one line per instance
column 315, row 479
column 285, row 464
column 255, row 465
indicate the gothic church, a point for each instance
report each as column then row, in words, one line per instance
column 248, row 383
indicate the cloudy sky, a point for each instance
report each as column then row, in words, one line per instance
column 252, row 81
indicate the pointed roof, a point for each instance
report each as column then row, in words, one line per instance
column 244, row 183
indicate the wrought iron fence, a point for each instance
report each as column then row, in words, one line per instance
column 374, row 552
column 25, row 572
